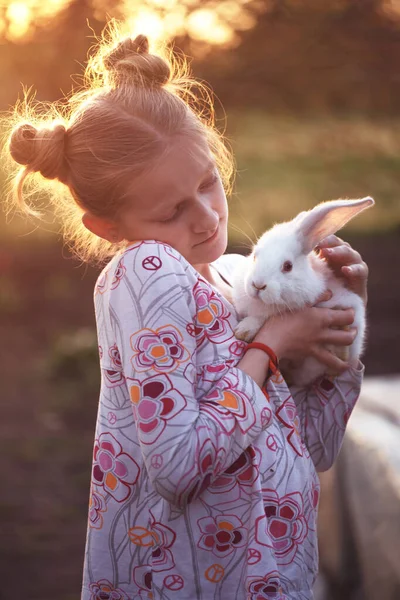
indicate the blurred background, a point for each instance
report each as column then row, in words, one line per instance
column 311, row 94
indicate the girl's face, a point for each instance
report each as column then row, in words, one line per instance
column 180, row 202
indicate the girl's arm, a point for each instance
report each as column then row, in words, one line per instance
column 324, row 410
column 161, row 318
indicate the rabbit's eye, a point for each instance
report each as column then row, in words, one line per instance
column 254, row 257
column 287, row 266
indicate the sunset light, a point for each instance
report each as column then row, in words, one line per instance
column 19, row 19
column 215, row 23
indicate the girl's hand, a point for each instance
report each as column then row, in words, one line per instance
column 294, row 336
column 346, row 263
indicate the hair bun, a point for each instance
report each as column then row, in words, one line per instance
column 40, row 150
column 130, row 62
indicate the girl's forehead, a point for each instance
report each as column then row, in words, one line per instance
column 176, row 173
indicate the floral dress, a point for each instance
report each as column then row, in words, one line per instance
column 204, row 486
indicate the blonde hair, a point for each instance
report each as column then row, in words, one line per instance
column 90, row 150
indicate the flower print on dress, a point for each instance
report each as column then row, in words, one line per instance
column 284, row 526
column 229, row 405
column 113, row 470
column 341, row 413
column 161, row 350
column 212, row 372
column 208, row 460
column 161, row 556
column 97, row 506
column 172, row 252
column 222, row 534
column 118, row 274
column 102, row 283
column 161, row 538
column 287, row 415
column 265, row 588
column 104, row 590
column 155, row 401
column 143, row 578
column 212, row 317
column 115, row 356
column 239, row 476
column 113, row 378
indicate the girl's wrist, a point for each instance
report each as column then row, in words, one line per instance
column 274, row 341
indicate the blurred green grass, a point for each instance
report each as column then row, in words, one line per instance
column 287, row 164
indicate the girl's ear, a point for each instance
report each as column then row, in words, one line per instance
column 101, row 227
column 327, row 218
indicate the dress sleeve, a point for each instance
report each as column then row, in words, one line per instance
column 187, row 437
column 324, row 410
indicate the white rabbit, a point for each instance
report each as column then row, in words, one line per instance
column 283, row 273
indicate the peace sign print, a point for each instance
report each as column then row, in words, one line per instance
column 215, row 573
column 253, row 556
column 174, row 582
column 237, row 347
column 272, row 443
column 141, row 536
column 151, row 263
column 157, row 461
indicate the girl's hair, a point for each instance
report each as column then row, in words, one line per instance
column 109, row 133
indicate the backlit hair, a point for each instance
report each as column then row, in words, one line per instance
column 89, row 150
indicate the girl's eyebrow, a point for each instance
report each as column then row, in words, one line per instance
column 161, row 203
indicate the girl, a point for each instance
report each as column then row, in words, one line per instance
column 204, row 481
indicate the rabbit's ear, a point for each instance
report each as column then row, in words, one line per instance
column 327, row 218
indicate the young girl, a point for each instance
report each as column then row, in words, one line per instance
column 204, row 481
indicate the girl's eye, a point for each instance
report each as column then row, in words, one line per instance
column 172, row 217
column 210, row 182
column 287, row 266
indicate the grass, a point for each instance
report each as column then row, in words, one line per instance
column 286, row 165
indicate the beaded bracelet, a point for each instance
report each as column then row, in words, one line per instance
column 273, row 359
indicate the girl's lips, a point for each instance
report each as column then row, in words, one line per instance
column 210, row 239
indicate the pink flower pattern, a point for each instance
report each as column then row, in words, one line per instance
column 212, row 318
column 118, row 275
column 113, row 470
column 265, row 588
column 285, row 523
column 97, row 506
column 221, row 534
column 161, row 350
column 155, row 402
column 287, row 415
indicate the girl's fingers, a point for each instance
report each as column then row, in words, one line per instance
column 338, row 318
column 324, row 297
column 342, row 254
column 331, row 241
column 359, row 271
column 339, row 337
column 330, row 360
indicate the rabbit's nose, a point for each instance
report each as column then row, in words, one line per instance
column 259, row 287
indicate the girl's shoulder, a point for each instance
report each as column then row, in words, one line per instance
column 143, row 259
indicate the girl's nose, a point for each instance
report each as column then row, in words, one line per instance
column 206, row 220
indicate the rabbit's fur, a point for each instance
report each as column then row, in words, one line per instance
column 281, row 289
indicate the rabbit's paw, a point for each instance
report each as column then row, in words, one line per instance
column 248, row 327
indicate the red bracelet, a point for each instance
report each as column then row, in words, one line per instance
column 273, row 359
